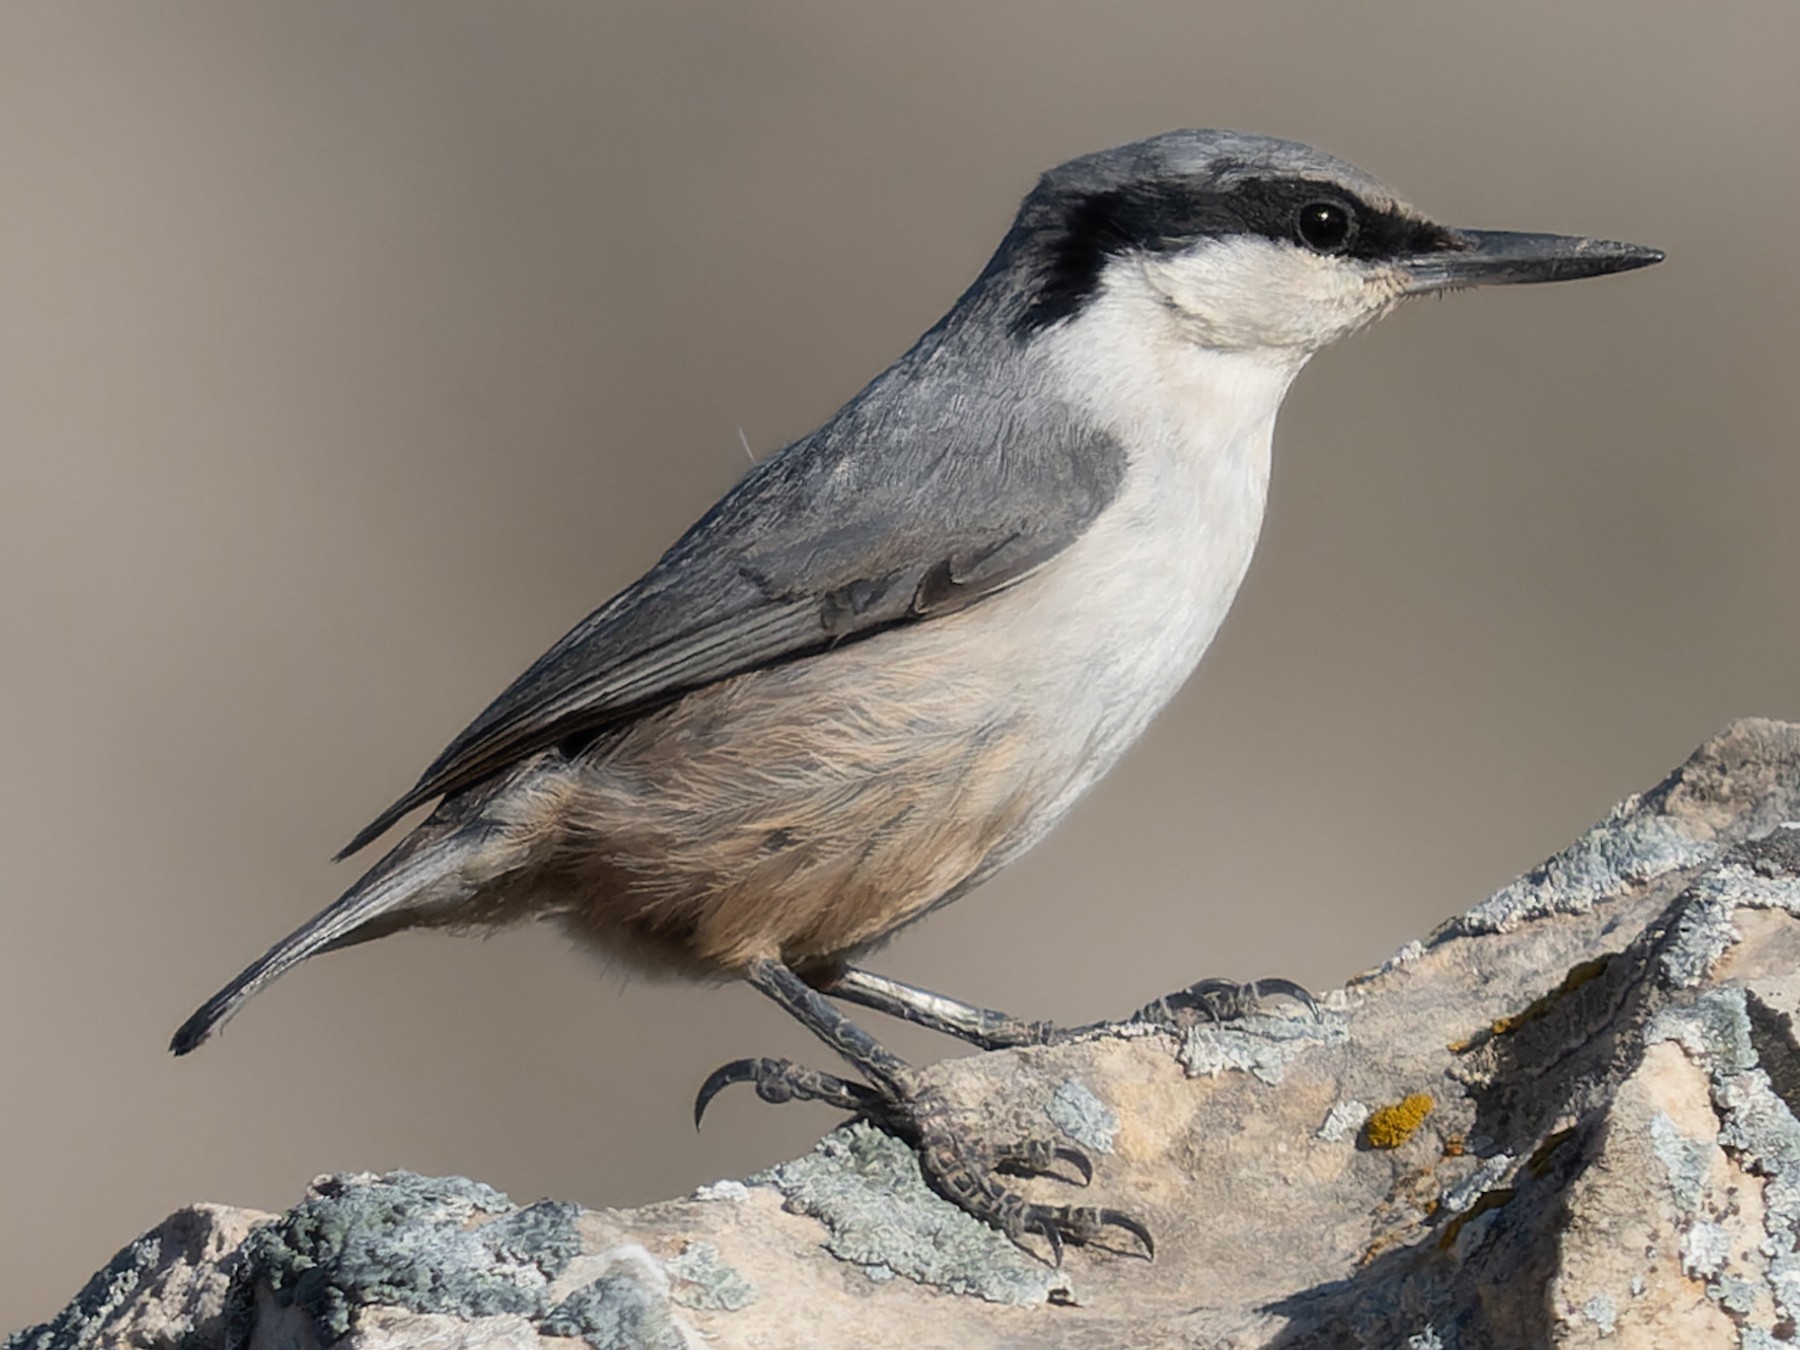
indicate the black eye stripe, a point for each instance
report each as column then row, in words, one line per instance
column 1068, row 237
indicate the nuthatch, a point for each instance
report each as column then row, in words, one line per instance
column 891, row 657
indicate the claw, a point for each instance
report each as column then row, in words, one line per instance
column 1061, row 1224
column 1079, row 1161
column 1298, row 992
column 1222, row 1000
column 1120, row 1219
column 738, row 1071
column 781, row 1080
column 1218, row 998
column 1037, row 1158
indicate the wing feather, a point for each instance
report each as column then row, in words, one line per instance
column 873, row 521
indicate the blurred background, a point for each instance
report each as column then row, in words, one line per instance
column 349, row 353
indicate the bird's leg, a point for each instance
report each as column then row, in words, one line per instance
column 981, row 1027
column 956, row 1161
column 1212, row 1000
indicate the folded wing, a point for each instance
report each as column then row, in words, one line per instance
column 853, row 530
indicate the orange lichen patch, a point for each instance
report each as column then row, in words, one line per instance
column 1455, row 1146
column 1392, row 1126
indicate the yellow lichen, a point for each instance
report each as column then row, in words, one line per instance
column 1392, row 1126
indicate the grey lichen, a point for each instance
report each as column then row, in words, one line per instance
column 865, row 1187
column 1634, row 844
column 540, row 1236
column 701, row 1280
column 1737, row 786
column 1760, row 1130
column 81, row 1325
column 1755, row 875
column 1078, row 1113
column 1488, row 1174
column 723, row 1192
column 625, row 1308
column 1702, row 933
column 413, row 1242
column 1735, row 1294
column 1261, row 1044
column 1714, row 1030
column 1685, row 1160
column 1784, row 1280
column 1343, row 1121
column 1602, row 1312
column 1705, row 1247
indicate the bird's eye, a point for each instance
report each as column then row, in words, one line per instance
column 1324, row 226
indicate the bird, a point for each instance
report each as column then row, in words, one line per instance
column 891, row 657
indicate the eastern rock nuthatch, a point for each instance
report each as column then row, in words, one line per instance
column 891, row 658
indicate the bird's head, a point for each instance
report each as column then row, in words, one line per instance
column 1243, row 243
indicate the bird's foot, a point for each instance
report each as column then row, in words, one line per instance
column 958, row 1162
column 961, row 1164
column 781, row 1080
column 1216, row 1000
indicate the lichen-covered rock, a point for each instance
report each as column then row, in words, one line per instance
column 1566, row 1118
column 423, row 1244
column 168, row 1288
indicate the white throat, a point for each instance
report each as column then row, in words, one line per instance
column 1139, row 597
column 1132, row 360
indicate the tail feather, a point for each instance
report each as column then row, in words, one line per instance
column 382, row 901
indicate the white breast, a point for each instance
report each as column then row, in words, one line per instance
column 1109, row 631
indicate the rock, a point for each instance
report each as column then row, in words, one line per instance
column 167, row 1289
column 1565, row 1118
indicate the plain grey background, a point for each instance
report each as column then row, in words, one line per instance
column 350, row 352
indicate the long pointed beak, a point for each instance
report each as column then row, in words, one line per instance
column 1508, row 258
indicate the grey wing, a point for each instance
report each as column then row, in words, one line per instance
column 819, row 545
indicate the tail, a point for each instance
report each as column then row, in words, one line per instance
column 388, row 897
